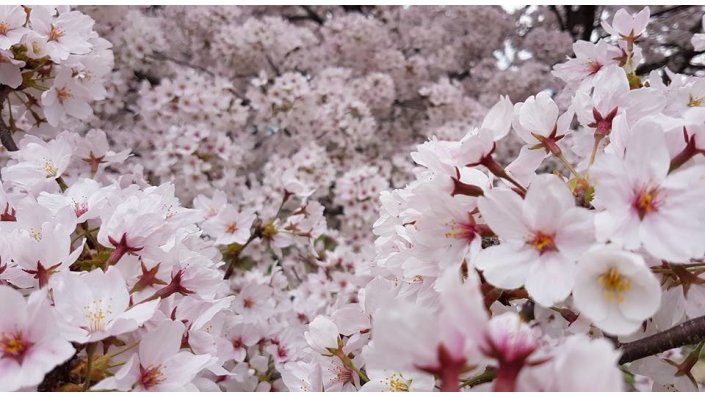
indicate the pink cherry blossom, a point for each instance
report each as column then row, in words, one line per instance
column 95, row 305
column 159, row 365
column 645, row 205
column 542, row 237
column 626, row 26
column 29, row 344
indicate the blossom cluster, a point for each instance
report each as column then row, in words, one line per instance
column 53, row 66
column 557, row 269
column 221, row 200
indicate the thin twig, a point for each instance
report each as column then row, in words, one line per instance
column 161, row 57
column 5, row 132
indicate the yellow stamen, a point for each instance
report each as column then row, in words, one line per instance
column 543, row 242
column 13, row 345
column 35, row 234
column 269, row 230
column 695, row 102
column 96, row 315
column 151, row 376
column 397, row 384
column 646, row 202
column 55, row 34
column 50, row 169
column 614, row 285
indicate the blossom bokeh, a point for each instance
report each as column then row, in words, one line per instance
column 352, row 198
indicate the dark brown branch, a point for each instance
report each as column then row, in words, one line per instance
column 153, row 80
column 579, row 21
column 677, row 62
column 313, row 15
column 559, row 18
column 668, row 10
column 5, row 132
column 688, row 333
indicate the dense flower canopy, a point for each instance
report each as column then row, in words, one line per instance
column 351, row 198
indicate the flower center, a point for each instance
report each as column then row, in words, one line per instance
column 695, row 102
column 36, row 48
column 49, row 168
column 4, row 28
column 614, row 285
column 646, row 202
column 462, row 231
column 55, row 34
column 247, row 303
column 543, row 242
column 96, row 315
column 269, row 230
column 397, row 384
column 35, row 234
column 231, row 228
column 80, row 208
column 13, row 345
column 594, row 67
column 343, row 375
column 151, row 376
column 62, row 94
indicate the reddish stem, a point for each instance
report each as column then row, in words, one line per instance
column 688, row 152
column 116, row 255
column 506, row 378
column 448, row 369
column 450, row 379
column 500, row 172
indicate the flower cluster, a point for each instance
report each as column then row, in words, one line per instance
column 54, row 66
column 501, row 273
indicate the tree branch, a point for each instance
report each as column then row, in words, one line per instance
column 578, row 22
column 687, row 333
column 313, row 15
column 559, row 18
column 668, row 10
column 162, row 57
column 5, row 132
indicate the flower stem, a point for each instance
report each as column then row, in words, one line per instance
column 567, row 164
column 499, row 171
column 595, row 146
column 90, row 349
column 231, row 266
column 347, row 363
column 123, row 350
column 484, row 377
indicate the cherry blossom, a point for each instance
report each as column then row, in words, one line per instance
column 546, row 230
column 576, row 352
column 229, row 226
column 644, row 204
column 626, row 26
column 616, row 290
column 29, row 345
column 95, row 305
column 159, row 365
